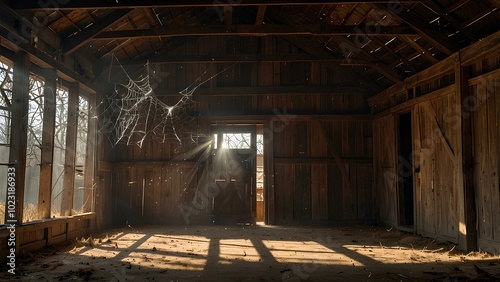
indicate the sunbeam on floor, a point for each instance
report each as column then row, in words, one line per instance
column 255, row 253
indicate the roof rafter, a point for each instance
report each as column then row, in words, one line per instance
column 456, row 5
column 305, row 45
column 261, row 12
column 495, row 2
column 72, row 43
column 426, row 54
column 381, row 68
column 442, row 13
column 243, row 58
column 256, row 30
column 131, row 4
column 425, row 30
column 479, row 16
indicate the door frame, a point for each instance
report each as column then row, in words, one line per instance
column 400, row 185
column 242, row 128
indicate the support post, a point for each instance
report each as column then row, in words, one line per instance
column 467, row 199
column 269, row 196
column 19, row 133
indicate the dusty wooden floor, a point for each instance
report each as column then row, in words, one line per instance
column 255, row 253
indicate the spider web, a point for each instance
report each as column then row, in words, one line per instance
column 133, row 112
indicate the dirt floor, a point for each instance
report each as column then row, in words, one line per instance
column 256, row 253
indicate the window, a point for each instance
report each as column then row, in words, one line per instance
column 216, row 136
column 6, row 74
column 236, row 141
column 260, row 144
column 33, row 149
column 59, row 150
column 80, row 196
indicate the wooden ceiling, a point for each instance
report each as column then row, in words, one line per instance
column 380, row 42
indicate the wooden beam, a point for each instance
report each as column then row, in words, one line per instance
column 255, row 30
column 19, row 135
column 261, row 12
column 478, row 16
column 405, row 106
column 7, row 53
column 49, row 121
column 496, row 3
column 320, row 161
column 72, row 43
column 426, row 54
column 456, row 5
column 105, row 65
column 425, row 30
column 258, row 91
column 70, row 154
column 386, row 71
column 492, row 75
column 130, row 4
column 269, row 191
column 45, row 60
column 443, row 67
column 228, row 18
column 69, row 20
column 432, row 5
column 477, row 51
column 466, row 191
column 289, row 117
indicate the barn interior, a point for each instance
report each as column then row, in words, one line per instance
column 246, row 140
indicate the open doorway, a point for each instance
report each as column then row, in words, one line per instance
column 260, row 183
column 405, row 171
column 233, row 167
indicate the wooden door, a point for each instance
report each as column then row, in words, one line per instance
column 234, row 167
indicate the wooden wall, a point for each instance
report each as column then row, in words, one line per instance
column 455, row 112
column 436, row 151
column 437, row 170
column 37, row 235
column 485, row 93
column 385, row 169
column 311, row 184
column 321, row 141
